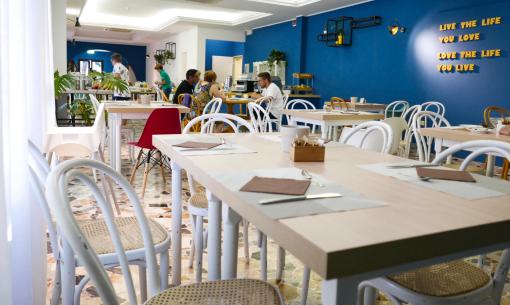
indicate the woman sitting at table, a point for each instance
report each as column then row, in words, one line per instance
column 208, row 89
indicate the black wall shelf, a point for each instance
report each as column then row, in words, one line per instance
column 338, row 32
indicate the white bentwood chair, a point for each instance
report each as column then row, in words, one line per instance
column 259, row 118
column 451, row 283
column 428, row 119
column 404, row 148
column 239, row 291
column 198, row 204
column 434, row 106
column 399, row 107
column 96, row 231
column 268, row 101
column 372, row 135
column 299, row 104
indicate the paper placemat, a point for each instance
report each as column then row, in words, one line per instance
column 224, row 149
column 485, row 187
column 349, row 201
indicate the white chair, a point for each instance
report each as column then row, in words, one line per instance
column 129, row 133
column 300, row 104
column 160, row 95
column 434, row 106
column 396, row 107
column 96, row 231
column 427, row 119
column 213, row 106
column 268, row 101
column 405, row 144
column 372, row 135
column 249, row 292
column 449, row 283
column 260, row 118
column 198, row 204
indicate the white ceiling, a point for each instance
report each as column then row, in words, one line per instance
column 139, row 22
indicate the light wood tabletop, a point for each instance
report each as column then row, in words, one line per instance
column 461, row 135
column 416, row 224
column 141, row 108
column 321, row 115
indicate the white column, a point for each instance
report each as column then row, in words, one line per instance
column 59, row 32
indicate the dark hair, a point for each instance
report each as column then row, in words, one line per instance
column 117, row 57
column 158, row 66
column 191, row 73
column 210, row 76
column 265, row 75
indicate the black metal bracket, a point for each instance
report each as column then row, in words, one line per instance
column 338, row 32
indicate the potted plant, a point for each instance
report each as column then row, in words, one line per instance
column 78, row 107
column 168, row 55
column 275, row 56
column 107, row 81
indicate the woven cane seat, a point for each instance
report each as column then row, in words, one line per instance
column 96, row 232
column 443, row 280
column 228, row 292
column 199, row 200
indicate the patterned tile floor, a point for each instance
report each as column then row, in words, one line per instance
column 156, row 202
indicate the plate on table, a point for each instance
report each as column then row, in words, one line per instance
column 480, row 130
column 470, row 126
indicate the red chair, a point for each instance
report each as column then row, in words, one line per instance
column 161, row 121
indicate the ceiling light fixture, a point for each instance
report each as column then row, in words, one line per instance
column 395, row 28
column 72, row 11
column 77, row 23
column 294, row 3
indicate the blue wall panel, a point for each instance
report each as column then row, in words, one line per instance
column 383, row 68
column 221, row 48
column 133, row 55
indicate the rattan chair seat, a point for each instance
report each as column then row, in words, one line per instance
column 96, row 232
column 199, row 200
column 227, row 292
column 443, row 280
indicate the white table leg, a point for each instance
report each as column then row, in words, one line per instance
column 230, row 243
column 176, row 223
column 340, row 292
column 214, row 237
column 115, row 122
column 324, row 131
column 490, row 165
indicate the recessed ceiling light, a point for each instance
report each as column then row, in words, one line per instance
column 92, row 14
column 294, row 3
column 72, row 11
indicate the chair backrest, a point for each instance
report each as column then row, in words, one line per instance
column 214, row 106
column 161, row 121
column 58, row 198
column 299, row 104
column 427, row 119
column 396, row 107
column 186, row 99
column 207, row 120
column 372, row 131
column 476, row 148
column 260, row 118
column 492, row 114
column 434, row 106
column 94, row 101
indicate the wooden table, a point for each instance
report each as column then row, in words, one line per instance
column 327, row 119
column 370, row 107
column 117, row 113
column 231, row 102
column 304, row 96
column 104, row 94
column 419, row 226
column 453, row 136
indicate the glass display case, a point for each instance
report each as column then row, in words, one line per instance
column 302, row 83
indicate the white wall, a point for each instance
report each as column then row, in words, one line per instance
column 186, row 42
column 59, row 32
column 192, row 42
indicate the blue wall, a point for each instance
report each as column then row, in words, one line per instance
column 133, row 55
column 383, row 68
column 221, row 48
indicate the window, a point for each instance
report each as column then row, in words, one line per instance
column 87, row 65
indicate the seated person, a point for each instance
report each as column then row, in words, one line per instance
column 270, row 89
column 187, row 85
column 208, row 89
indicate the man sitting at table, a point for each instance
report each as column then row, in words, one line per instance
column 271, row 89
column 187, row 85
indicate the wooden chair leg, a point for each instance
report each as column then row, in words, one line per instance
column 146, row 172
column 161, row 168
column 506, row 169
column 137, row 164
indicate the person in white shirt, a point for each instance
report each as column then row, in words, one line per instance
column 272, row 90
column 120, row 71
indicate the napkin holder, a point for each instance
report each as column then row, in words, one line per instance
column 307, row 153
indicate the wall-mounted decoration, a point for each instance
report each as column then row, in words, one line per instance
column 338, row 32
column 163, row 56
column 170, row 50
column 395, row 28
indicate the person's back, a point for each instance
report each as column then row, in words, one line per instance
column 277, row 103
column 120, row 71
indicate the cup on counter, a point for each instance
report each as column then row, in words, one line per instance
column 362, row 100
column 146, row 99
column 354, row 100
column 289, row 133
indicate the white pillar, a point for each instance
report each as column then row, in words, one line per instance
column 59, row 32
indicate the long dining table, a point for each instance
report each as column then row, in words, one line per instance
column 327, row 119
column 416, row 225
column 118, row 111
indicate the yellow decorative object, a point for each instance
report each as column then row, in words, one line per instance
column 340, row 40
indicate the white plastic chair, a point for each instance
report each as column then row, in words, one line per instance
column 371, row 135
column 253, row 292
column 260, row 118
column 434, row 106
column 447, row 283
column 198, row 204
column 427, row 119
column 301, row 104
column 64, row 280
column 405, row 145
column 396, row 107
